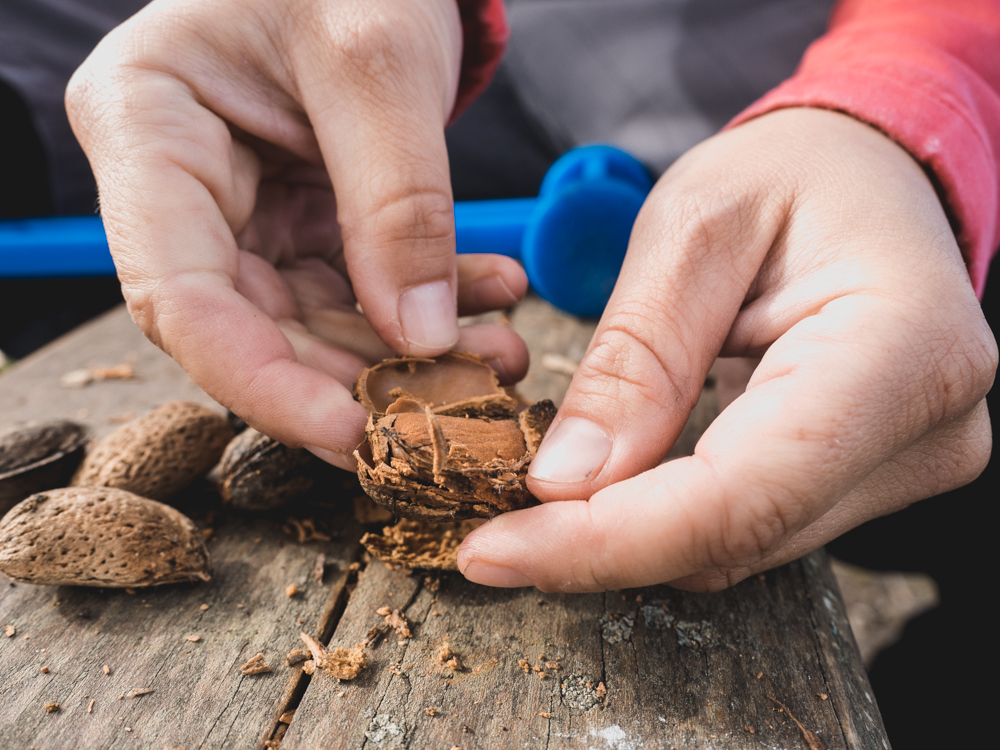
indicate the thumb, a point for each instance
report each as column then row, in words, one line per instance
column 380, row 122
column 692, row 256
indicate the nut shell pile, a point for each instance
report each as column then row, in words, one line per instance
column 446, row 442
column 100, row 536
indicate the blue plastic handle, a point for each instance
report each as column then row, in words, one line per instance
column 571, row 238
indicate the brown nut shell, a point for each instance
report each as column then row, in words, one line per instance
column 414, row 544
column 158, row 454
column 259, row 473
column 100, row 536
column 38, row 456
column 455, row 384
column 437, row 457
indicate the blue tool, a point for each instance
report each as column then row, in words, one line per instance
column 571, row 238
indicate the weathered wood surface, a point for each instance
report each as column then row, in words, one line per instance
column 200, row 698
column 679, row 670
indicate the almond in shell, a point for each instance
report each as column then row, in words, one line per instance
column 100, row 536
column 158, row 454
column 38, row 456
column 259, row 473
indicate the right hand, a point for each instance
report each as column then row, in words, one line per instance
column 263, row 166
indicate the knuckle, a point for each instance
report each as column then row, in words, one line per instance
column 420, row 217
column 749, row 533
column 625, row 366
column 367, row 40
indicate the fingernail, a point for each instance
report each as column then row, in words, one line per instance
column 495, row 575
column 494, row 288
column 500, row 369
column 574, row 452
column 428, row 316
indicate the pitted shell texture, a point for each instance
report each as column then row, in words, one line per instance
column 158, row 454
column 100, row 536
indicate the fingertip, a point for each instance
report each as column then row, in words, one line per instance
column 500, row 347
column 489, row 282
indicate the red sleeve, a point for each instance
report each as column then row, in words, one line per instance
column 926, row 73
column 484, row 36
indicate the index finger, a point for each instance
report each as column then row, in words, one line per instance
column 173, row 183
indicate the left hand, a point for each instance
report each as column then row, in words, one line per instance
column 815, row 242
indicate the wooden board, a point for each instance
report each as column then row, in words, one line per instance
column 200, row 699
column 680, row 670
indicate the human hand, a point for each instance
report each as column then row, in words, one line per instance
column 263, row 165
column 808, row 239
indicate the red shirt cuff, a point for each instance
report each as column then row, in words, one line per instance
column 484, row 36
column 924, row 76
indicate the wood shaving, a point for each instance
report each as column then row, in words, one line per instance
column 398, row 622
column 296, row 656
column 304, row 530
column 286, row 718
column 51, row 707
column 256, row 665
column 601, row 690
column 342, row 663
column 553, row 665
column 319, row 568
column 449, row 658
column 545, row 714
column 85, row 376
column 811, row 738
column 559, row 363
column 291, row 590
column 193, row 638
column 416, row 544
column 10, row 631
column 137, row 692
column 107, row 669
column 431, row 711
column 203, row 607
column 90, row 707
column 383, row 611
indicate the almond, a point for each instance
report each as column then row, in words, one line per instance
column 446, row 442
column 38, row 456
column 259, row 473
column 100, row 536
column 158, row 454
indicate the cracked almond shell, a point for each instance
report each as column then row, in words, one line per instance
column 414, row 544
column 158, row 454
column 100, row 536
column 38, row 456
column 446, row 442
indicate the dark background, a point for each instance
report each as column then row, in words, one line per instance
column 934, row 687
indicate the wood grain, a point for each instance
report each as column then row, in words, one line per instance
column 200, row 699
column 652, row 667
